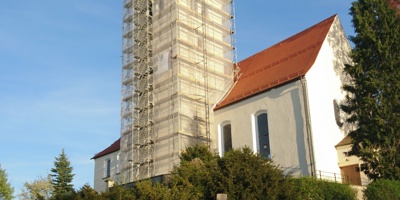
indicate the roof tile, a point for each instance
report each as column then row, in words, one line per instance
column 278, row 64
column 112, row 148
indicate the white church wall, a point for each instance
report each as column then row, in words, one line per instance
column 101, row 181
column 285, row 109
column 324, row 81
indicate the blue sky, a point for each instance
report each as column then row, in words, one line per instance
column 60, row 65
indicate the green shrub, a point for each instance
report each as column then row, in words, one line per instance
column 338, row 191
column 382, row 189
column 312, row 188
column 240, row 174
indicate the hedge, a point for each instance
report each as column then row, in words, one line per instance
column 382, row 189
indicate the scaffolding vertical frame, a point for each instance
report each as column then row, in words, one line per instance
column 178, row 60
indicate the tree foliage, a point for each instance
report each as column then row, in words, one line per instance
column 240, row 174
column 62, row 176
column 249, row 176
column 373, row 101
column 87, row 193
column 41, row 188
column 382, row 189
column 197, row 176
column 312, row 188
column 118, row 192
column 6, row 190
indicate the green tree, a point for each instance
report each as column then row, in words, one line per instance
column 250, row 176
column 118, row 192
column 382, row 189
column 145, row 189
column 373, row 100
column 62, row 177
column 198, row 151
column 313, row 188
column 240, row 173
column 87, row 193
column 41, row 188
column 6, row 190
column 196, row 176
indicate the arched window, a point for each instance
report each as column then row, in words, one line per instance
column 227, row 135
column 225, row 139
column 263, row 145
column 118, row 164
column 107, row 168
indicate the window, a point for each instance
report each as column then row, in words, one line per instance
column 263, row 145
column 224, row 137
column 107, row 168
column 227, row 137
column 118, row 164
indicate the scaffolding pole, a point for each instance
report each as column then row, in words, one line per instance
column 177, row 62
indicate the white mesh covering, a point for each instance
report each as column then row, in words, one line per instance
column 177, row 63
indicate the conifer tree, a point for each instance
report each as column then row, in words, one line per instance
column 373, row 100
column 62, row 176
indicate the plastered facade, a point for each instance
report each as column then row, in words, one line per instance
column 301, row 115
column 102, row 182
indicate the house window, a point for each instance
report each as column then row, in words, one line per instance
column 227, row 137
column 224, row 137
column 263, row 145
column 118, row 164
column 107, row 168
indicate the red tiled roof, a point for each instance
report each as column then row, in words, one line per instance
column 112, row 148
column 278, row 64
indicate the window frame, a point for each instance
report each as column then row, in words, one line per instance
column 118, row 168
column 255, row 133
column 221, row 138
column 107, row 168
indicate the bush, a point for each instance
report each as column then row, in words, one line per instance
column 383, row 189
column 249, row 176
column 240, row 174
column 312, row 188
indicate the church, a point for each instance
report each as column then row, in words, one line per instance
column 282, row 102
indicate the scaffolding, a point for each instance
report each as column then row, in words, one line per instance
column 178, row 61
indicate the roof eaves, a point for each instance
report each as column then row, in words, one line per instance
column 112, row 148
column 239, row 98
column 312, row 50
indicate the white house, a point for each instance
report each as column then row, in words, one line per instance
column 350, row 165
column 107, row 167
column 285, row 103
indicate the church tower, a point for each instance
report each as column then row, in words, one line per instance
column 178, row 60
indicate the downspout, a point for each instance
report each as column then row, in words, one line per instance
column 308, row 126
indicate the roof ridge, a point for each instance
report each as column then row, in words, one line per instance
column 115, row 146
column 291, row 38
column 295, row 36
column 280, row 63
